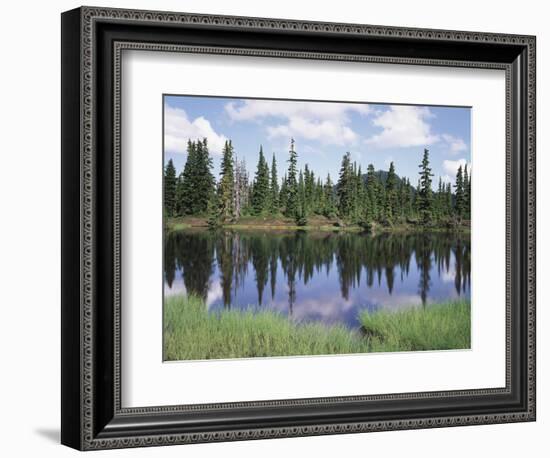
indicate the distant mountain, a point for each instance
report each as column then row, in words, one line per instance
column 383, row 177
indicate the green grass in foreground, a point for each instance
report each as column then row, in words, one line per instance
column 437, row 327
column 190, row 332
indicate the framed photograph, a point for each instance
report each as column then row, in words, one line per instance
column 276, row 228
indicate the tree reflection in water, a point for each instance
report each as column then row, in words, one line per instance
column 310, row 267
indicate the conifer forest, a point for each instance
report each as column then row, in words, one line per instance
column 356, row 196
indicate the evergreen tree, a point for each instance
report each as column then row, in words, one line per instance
column 319, row 197
column 466, row 193
column 301, row 211
column 358, row 194
column 186, row 202
column 417, row 198
column 179, row 210
column 203, row 180
column 439, row 209
column 196, row 182
column 345, row 187
column 391, row 194
column 329, row 199
column 448, row 199
column 309, row 189
column 283, row 193
column 213, row 210
column 425, row 197
column 409, row 211
column 274, row 188
column 292, row 183
column 403, row 199
column 260, row 194
column 320, row 202
column 371, row 208
column 301, row 190
column 170, row 188
column 381, row 197
column 459, row 194
column 226, row 187
column 301, row 217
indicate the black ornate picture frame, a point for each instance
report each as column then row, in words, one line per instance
column 92, row 42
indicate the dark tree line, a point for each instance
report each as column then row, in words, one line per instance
column 356, row 198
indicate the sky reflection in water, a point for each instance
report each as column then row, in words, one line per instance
column 323, row 277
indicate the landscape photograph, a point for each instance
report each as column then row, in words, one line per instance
column 303, row 228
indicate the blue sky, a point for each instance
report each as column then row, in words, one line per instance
column 323, row 132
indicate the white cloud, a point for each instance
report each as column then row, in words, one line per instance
column 327, row 122
column 455, row 144
column 178, row 287
column 448, row 276
column 308, row 309
column 215, row 293
column 403, row 126
column 451, row 168
column 178, row 129
column 326, row 131
column 256, row 109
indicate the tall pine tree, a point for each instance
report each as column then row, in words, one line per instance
column 448, row 200
column 301, row 211
column 438, row 201
column 260, row 195
column 466, row 192
column 373, row 187
column 274, row 188
column 425, row 194
column 330, row 202
column 459, row 194
column 203, row 179
column 196, row 181
column 186, row 201
column 170, row 188
column 179, row 210
column 225, row 188
column 291, row 190
column 345, row 187
column 391, row 194
column 309, row 189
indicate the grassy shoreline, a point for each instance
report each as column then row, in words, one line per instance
column 440, row 326
column 320, row 224
column 191, row 333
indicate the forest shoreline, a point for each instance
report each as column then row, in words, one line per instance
column 374, row 202
column 314, row 224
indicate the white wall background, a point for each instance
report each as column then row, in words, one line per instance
column 30, row 229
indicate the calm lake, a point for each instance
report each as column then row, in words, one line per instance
column 316, row 276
